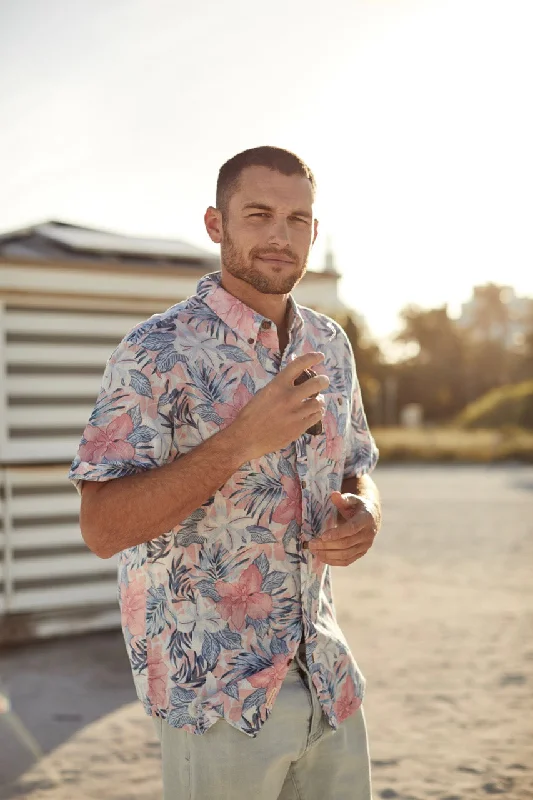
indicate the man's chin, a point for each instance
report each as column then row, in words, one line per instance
column 274, row 287
column 266, row 283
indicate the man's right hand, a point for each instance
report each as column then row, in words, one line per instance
column 281, row 412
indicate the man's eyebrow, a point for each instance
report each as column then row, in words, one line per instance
column 265, row 207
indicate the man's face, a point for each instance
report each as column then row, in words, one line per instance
column 268, row 230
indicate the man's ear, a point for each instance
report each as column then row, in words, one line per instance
column 213, row 224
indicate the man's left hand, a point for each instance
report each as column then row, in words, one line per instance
column 351, row 539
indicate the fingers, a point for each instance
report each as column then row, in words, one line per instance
column 341, row 552
column 297, row 365
column 347, row 505
column 313, row 408
column 345, row 562
column 342, row 558
column 356, row 526
column 336, row 546
column 310, row 387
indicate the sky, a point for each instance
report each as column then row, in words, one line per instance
column 414, row 115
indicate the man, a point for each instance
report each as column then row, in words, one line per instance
column 197, row 467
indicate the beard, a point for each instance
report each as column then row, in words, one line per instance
column 242, row 266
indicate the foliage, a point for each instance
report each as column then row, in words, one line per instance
column 507, row 405
column 451, row 444
column 454, row 362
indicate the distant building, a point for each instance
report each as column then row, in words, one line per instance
column 495, row 313
column 68, row 294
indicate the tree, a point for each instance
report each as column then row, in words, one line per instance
column 434, row 377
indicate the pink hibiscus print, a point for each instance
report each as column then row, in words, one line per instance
column 230, row 411
column 108, row 443
column 157, row 676
column 291, row 506
column 236, row 314
column 348, row 703
column 133, row 605
column 275, row 551
column 269, row 338
column 243, row 598
column 272, row 677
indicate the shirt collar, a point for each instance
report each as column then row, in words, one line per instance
column 243, row 320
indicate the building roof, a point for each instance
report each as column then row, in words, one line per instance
column 56, row 241
column 61, row 241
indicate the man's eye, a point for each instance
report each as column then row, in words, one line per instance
column 259, row 214
column 299, row 219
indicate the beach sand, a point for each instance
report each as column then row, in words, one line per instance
column 438, row 614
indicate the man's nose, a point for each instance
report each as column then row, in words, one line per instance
column 279, row 232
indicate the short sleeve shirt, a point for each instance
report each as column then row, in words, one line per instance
column 214, row 609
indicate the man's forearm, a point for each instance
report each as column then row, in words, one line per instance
column 124, row 512
column 366, row 488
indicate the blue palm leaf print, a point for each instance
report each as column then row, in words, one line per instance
column 157, row 617
column 244, row 665
column 179, row 581
column 217, row 563
column 318, row 514
column 261, row 493
column 138, row 657
column 179, row 643
column 336, row 376
column 257, row 699
column 158, row 549
column 212, row 384
column 106, row 405
column 287, row 619
column 180, row 409
column 201, row 317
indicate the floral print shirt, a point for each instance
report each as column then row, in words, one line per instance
column 214, row 610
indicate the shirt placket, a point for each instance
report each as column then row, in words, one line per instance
column 300, row 460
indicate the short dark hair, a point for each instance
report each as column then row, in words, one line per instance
column 274, row 158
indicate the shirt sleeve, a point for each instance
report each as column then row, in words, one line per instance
column 130, row 428
column 361, row 451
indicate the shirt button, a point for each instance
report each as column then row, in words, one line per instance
column 304, row 484
column 339, row 400
column 266, row 324
column 251, row 341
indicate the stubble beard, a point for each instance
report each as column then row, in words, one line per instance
column 242, row 267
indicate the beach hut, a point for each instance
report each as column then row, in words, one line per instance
column 68, row 294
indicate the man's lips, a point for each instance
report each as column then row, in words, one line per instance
column 279, row 259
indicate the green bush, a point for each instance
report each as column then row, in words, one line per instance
column 505, row 407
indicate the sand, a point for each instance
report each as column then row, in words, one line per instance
column 439, row 615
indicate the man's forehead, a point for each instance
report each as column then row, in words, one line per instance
column 259, row 183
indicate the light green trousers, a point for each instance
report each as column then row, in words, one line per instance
column 295, row 756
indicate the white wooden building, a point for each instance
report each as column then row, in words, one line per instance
column 68, row 295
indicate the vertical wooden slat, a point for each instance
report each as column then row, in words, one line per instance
column 8, row 540
column 3, row 384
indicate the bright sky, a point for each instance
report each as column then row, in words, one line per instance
column 414, row 115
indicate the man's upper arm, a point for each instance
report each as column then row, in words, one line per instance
column 90, row 488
